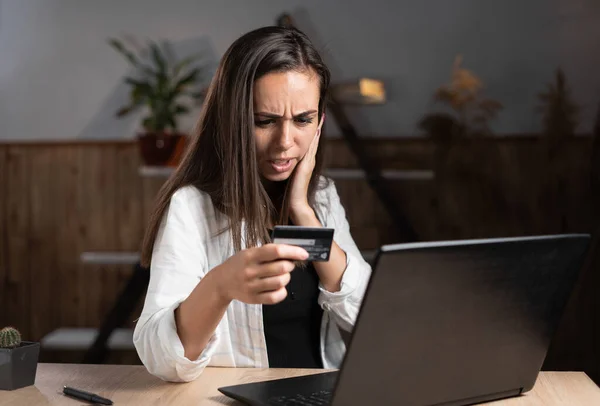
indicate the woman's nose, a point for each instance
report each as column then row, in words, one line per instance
column 285, row 139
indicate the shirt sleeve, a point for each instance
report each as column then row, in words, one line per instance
column 343, row 305
column 178, row 263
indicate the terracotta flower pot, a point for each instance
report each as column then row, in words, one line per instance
column 157, row 148
column 179, row 151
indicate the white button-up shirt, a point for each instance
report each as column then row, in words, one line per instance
column 189, row 245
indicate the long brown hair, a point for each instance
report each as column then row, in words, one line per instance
column 221, row 158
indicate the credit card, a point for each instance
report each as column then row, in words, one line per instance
column 315, row 240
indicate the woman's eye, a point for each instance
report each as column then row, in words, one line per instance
column 304, row 120
column 264, row 123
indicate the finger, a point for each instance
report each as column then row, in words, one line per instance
column 275, row 268
column 270, row 284
column 314, row 145
column 311, row 153
column 272, row 252
column 272, row 297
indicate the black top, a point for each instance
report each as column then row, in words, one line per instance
column 293, row 326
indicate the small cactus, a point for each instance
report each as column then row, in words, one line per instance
column 9, row 337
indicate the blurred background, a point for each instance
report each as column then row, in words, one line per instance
column 448, row 120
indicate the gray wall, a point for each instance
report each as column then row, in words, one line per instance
column 59, row 79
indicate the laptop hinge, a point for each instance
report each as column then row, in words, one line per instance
column 483, row 398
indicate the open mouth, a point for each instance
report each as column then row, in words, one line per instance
column 281, row 165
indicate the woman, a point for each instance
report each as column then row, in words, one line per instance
column 220, row 293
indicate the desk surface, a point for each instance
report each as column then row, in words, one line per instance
column 133, row 385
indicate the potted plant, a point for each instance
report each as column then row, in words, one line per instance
column 471, row 111
column 18, row 360
column 166, row 88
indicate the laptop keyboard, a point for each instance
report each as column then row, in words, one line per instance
column 317, row 399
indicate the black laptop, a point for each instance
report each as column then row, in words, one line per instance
column 445, row 323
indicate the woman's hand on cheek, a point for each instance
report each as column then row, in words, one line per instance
column 298, row 193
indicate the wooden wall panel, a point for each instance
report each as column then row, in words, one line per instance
column 3, row 241
column 130, row 203
column 44, row 201
column 150, row 188
column 58, row 200
column 70, row 279
column 101, row 176
column 130, row 200
column 17, row 234
column 97, row 225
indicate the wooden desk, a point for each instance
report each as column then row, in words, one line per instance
column 132, row 385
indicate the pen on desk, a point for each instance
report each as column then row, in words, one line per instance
column 82, row 395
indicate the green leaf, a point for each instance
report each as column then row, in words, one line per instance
column 159, row 60
column 187, row 79
column 179, row 87
column 158, row 85
column 137, row 83
column 160, row 120
column 180, row 109
column 138, row 94
column 119, row 47
column 140, row 90
column 162, row 86
column 198, row 95
column 183, row 64
column 148, row 124
column 123, row 111
column 171, row 122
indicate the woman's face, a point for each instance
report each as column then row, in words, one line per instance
column 286, row 108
